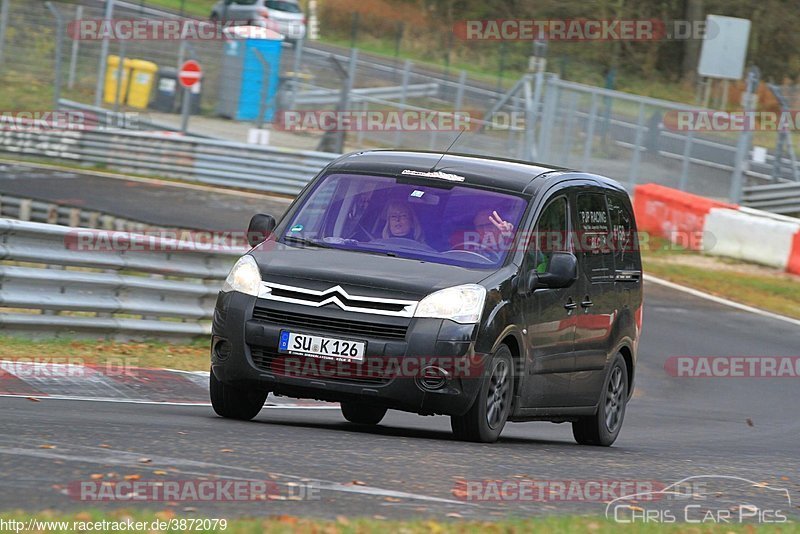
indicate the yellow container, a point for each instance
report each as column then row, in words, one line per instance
column 143, row 75
column 112, row 71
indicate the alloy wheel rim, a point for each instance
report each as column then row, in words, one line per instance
column 497, row 396
column 614, row 399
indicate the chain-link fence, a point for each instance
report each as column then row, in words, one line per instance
column 631, row 138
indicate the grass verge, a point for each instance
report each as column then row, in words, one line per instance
column 343, row 525
column 152, row 354
column 746, row 283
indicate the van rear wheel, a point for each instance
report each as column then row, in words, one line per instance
column 363, row 414
column 486, row 418
column 234, row 403
column 603, row 427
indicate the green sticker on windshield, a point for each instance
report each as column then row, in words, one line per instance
column 297, row 228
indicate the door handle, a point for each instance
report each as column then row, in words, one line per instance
column 570, row 305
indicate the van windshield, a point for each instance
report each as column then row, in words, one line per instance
column 412, row 218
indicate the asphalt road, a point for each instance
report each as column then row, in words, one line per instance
column 675, row 428
column 152, row 202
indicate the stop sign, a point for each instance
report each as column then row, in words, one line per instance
column 190, row 73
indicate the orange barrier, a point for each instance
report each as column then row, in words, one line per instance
column 672, row 214
column 794, row 256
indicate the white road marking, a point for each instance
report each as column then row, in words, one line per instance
column 142, row 401
column 720, row 300
column 130, row 459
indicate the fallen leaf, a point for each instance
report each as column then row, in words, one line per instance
column 105, row 446
column 95, row 476
column 392, row 499
column 290, row 519
column 159, row 472
column 144, row 460
column 33, row 399
column 342, row 520
column 190, row 509
column 226, row 450
column 47, row 446
column 784, row 478
column 749, row 422
column 455, row 515
column 358, row 483
column 132, row 477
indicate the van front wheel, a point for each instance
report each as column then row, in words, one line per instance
column 486, row 418
column 233, row 403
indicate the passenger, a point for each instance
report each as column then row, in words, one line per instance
column 401, row 221
column 491, row 227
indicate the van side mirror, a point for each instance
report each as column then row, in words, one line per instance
column 261, row 226
column 562, row 271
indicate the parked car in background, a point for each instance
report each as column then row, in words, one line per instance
column 283, row 16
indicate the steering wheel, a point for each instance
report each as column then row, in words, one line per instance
column 482, row 251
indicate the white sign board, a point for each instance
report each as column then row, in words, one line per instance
column 724, row 48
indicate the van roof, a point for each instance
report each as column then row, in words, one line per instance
column 486, row 171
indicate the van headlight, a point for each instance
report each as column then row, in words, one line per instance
column 244, row 277
column 462, row 304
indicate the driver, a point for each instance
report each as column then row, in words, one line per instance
column 401, row 221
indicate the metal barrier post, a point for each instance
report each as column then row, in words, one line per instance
column 120, row 75
column 262, row 109
column 634, row 170
column 298, row 59
column 101, row 68
column 5, row 7
column 742, row 147
column 687, row 157
column 73, row 60
column 403, row 96
column 59, row 45
column 589, row 144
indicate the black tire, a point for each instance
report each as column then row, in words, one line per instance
column 486, row 418
column 363, row 414
column 233, row 403
column 603, row 427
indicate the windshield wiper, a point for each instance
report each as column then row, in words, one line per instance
column 293, row 239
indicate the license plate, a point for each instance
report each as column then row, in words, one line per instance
column 321, row 347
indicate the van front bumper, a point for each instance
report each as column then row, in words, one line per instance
column 245, row 355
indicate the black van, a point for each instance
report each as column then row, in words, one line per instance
column 484, row 289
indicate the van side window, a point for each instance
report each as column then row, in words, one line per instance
column 593, row 237
column 623, row 238
column 551, row 235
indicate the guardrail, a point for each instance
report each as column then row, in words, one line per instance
column 27, row 209
column 52, row 281
column 783, row 198
column 322, row 96
column 209, row 161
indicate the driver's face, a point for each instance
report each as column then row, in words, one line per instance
column 399, row 221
